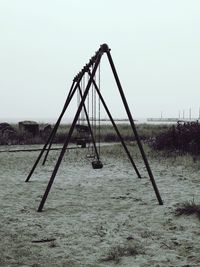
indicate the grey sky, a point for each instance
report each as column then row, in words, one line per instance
column 155, row 45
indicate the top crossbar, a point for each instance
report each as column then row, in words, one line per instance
column 103, row 48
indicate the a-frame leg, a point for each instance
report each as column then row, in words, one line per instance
column 116, row 128
column 50, row 138
column 134, row 128
column 69, row 98
column 89, row 126
column 98, row 57
column 53, row 132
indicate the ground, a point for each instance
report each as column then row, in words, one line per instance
column 97, row 218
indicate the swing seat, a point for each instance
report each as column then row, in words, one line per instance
column 81, row 142
column 97, row 164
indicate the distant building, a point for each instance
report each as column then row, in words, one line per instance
column 45, row 130
column 5, row 126
column 30, row 127
column 7, row 133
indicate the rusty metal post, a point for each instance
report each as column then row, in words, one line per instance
column 134, row 128
column 96, row 63
column 52, row 134
column 116, row 129
column 68, row 100
column 89, row 126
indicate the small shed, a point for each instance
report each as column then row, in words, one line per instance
column 45, row 130
column 30, row 127
column 4, row 126
column 7, row 133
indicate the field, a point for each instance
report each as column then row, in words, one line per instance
column 98, row 218
column 107, row 134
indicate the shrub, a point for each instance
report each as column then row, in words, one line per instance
column 107, row 134
column 188, row 208
column 116, row 253
column 184, row 137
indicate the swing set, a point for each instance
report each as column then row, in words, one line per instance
column 86, row 122
column 89, row 97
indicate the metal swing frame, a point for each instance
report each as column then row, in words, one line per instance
column 94, row 63
column 92, row 128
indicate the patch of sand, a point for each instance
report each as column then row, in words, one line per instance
column 98, row 218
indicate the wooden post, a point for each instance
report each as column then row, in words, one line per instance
column 69, row 133
column 134, row 128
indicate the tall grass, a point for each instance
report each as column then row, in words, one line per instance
column 116, row 253
column 183, row 137
column 145, row 131
column 188, row 208
column 107, row 134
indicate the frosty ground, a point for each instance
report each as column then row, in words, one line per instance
column 97, row 218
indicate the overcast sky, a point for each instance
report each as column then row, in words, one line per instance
column 155, row 45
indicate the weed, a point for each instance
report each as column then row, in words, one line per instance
column 107, row 134
column 52, row 244
column 116, row 253
column 188, row 208
column 184, row 138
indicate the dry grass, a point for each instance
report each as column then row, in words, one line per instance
column 188, row 208
column 116, row 253
column 108, row 134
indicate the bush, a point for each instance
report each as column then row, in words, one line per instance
column 184, row 137
column 188, row 208
column 116, row 253
column 107, row 134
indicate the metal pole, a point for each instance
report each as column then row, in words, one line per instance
column 89, row 126
column 97, row 60
column 116, row 129
column 134, row 128
column 69, row 97
column 49, row 139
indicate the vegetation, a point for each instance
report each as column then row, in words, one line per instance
column 188, row 208
column 179, row 142
column 116, row 253
column 184, row 138
column 107, row 134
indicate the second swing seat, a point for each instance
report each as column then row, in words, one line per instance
column 97, row 164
